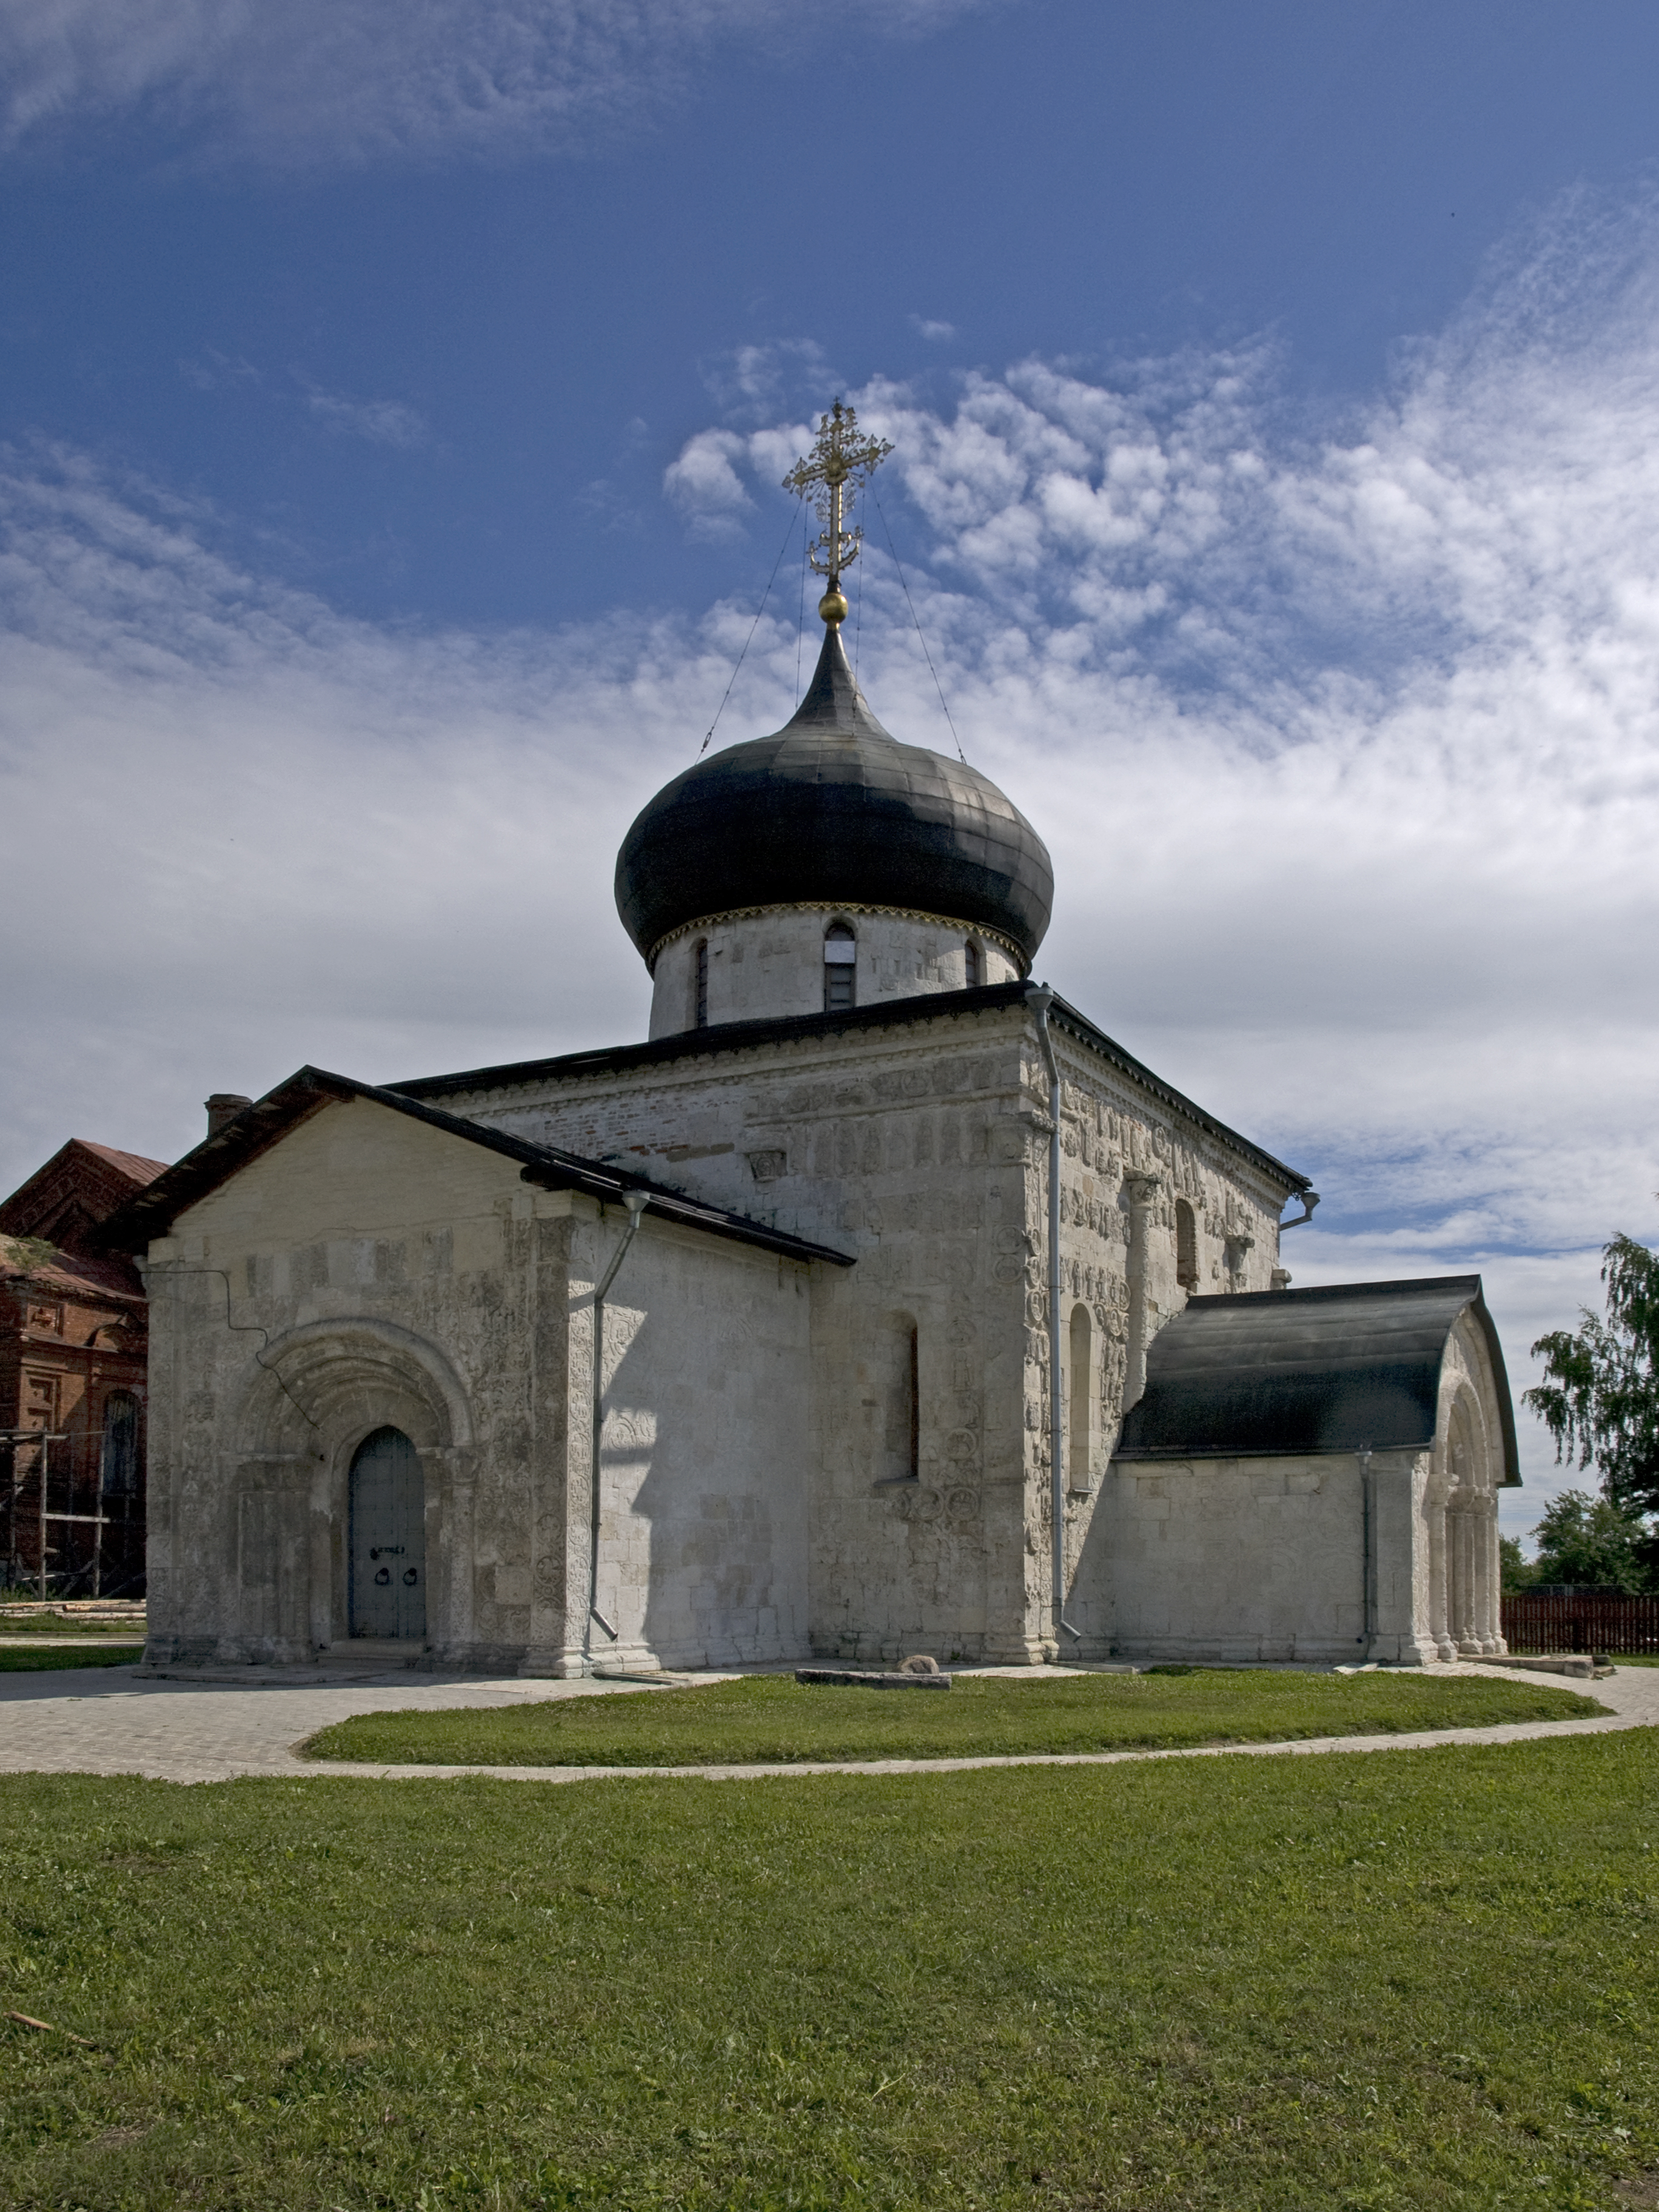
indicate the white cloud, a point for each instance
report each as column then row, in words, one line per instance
column 382, row 422
column 940, row 333
column 704, row 484
column 1347, row 753
column 327, row 80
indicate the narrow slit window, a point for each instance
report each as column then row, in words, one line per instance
column 700, row 994
column 900, row 1442
column 915, row 1409
column 1080, row 1472
column 972, row 965
column 1186, row 1228
column 840, row 954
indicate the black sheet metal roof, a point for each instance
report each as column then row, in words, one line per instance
column 259, row 1126
column 1347, row 1367
column 833, row 811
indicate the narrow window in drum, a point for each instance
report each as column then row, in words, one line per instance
column 971, row 967
column 700, row 1011
column 840, row 954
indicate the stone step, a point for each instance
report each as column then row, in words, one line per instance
column 381, row 1653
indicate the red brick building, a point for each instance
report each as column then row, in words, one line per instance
column 74, row 1343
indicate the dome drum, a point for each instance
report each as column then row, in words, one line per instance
column 778, row 963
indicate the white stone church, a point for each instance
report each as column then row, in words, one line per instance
column 878, row 1303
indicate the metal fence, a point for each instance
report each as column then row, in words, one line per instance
column 1621, row 1627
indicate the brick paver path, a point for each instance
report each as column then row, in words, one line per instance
column 108, row 1721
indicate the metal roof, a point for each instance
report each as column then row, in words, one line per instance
column 1346, row 1367
column 833, row 811
column 253, row 1131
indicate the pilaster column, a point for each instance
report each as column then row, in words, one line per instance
column 1466, row 1632
column 1492, row 1624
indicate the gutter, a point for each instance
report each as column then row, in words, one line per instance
column 1040, row 1001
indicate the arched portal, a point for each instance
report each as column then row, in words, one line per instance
column 388, row 1537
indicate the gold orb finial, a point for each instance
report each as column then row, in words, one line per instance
column 832, row 607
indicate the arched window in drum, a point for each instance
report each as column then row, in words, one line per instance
column 840, row 953
column 700, row 987
column 973, row 965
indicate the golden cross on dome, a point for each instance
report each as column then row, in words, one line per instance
column 839, row 458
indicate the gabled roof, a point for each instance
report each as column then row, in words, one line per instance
column 262, row 1124
column 79, row 1185
column 133, row 1165
column 892, row 1013
column 1347, row 1367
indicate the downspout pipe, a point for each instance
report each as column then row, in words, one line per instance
column 1040, row 1002
column 1367, row 1553
column 636, row 1201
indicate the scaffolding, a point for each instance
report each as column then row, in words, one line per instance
column 102, row 1562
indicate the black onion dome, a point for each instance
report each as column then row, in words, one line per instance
column 833, row 811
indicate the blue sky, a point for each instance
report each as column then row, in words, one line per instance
column 394, row 397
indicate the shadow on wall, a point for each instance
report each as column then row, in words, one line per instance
column 704, row 1469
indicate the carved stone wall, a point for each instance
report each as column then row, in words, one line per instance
column 922, row 1148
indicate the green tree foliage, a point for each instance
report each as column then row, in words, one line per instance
column 28, row 1253
column 1600, row 1400
column 1600, row 1395
column 1592, row 1542
column 1518, row 1571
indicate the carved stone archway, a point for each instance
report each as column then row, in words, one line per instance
column 320, row 1390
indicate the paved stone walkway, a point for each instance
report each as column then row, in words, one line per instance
column 108, row 1721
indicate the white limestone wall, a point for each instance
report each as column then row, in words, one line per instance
column 1390, row 1555
column 921, row 1148
column 705, row 1450
column 370, row 1271
column 1230, row 1559
column 764, row 966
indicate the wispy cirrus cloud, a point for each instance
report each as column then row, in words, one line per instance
column 328, row 81
column 1346, row 748
column 381, row 422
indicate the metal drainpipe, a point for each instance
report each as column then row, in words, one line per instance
column 1367, row 1560
column 1040, row 1002
column 636, row 1201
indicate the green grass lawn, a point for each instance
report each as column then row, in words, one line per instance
column 39, row 1660
column 772, row 1716
column 40, row 1626
column 1370, row 1982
